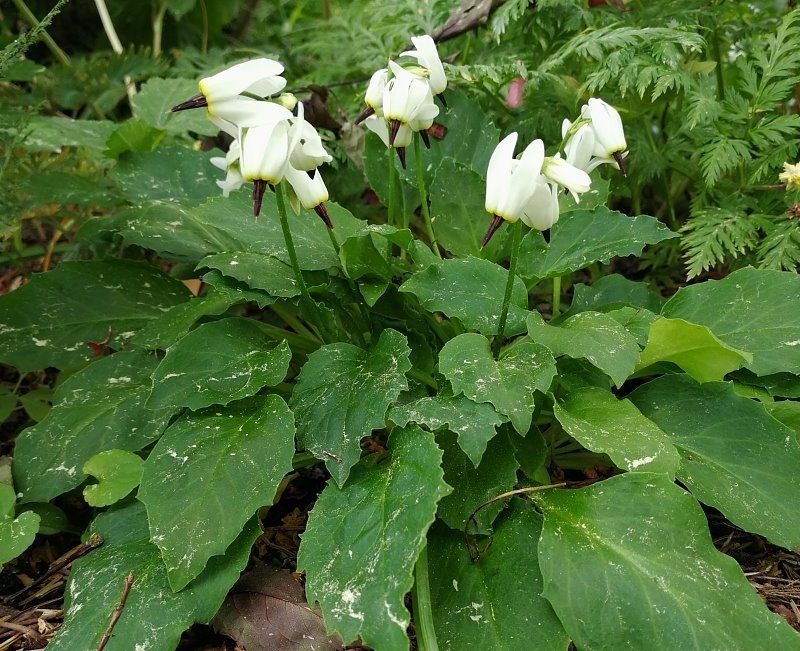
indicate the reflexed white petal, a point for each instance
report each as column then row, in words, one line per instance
column 565, row 125
column 498, row 174
column 233, row 181
column 607, row 127
column 541, row 211
column 532, row 159
column 377, row 124
column 403, row 95
column 305, row 146
column 423, row 118
column 377, row 84
column 219, row 162
column 234, row 153
column 223, row 125
column 428, row 56
column 310, row 191
column 256, row 73
column 579, row 148
column 265, row 152
column 246, row 112
column 559, row 171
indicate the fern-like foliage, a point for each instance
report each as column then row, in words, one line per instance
column 780, row 248
column 17, row 48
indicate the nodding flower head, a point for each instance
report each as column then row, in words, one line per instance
column 427, row 56
column 609, row 135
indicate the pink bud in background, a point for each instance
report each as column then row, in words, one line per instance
column 516, row 93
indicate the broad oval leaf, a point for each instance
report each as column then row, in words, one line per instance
column 342, row 394
column 507, row 383
column 49, row 321
column 155, row 98
column 734, row 456
column 359, row 562
column 256, row 271
column 495, row 603
column 637, row 548
column 209, row 474
column 154, row 617
column 16, row 535
column 751, row 309
column 471, row 290
column 592, row 336
column 217, row 363
column 473, row 422
column 611, row 292
column 601, row 423
column 693, row 347
column 99, row 408
column 581, row 237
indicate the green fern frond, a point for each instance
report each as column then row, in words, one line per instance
column 780, row 249
column 722, row 155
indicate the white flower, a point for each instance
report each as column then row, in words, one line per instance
column 230, row 165
column 557, row 170
column 222, row 95
column 310, row 190
column 427, row 56
column 510, row 182
column 404, row 95
column 377, row 124
column 265, row 151
column 580, row 146
column 790, row 176
column 607, row 127
column 307, row 151
column 377, row 84
column 423, row 118
column 541, row 211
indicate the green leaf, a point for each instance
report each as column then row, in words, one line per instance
column 133, row 135
column 734, row 456
column 52, row 519
column 507, row 383
column 48, row 321
column 459, row 218
column 163, row 332
column 693, row 347
column 593, row 336
column 786, row 412
column 473, row 422
column 342, row 394
column 99, row 408
column 477, row 605
column 217, row 363
column 601, row 423
column 497, row 473
column 8, row 402
column 581, row 237
column 636, row 320
column 51, row 133
column 637, row 547
column 154, row 617
column 256, row 271
column 63, row 188
column 235, row 291
column 751, row 309
column 16, row 535
column 613, row 291
column 471, row 290
column 172, row 173
column 118, row 473
column 209, row 474
column 360, row 257
column 359, row 563
column 155, row 98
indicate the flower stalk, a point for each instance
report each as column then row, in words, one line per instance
column 512, row 272
column 423, row 196
column 423, row 614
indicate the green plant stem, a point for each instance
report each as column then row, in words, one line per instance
column 293, row 322
column 423, row 195
column 422, row 376
column 33, row 21
column 556, row 296
column 116, row 44
column 390, row 207
column 423, row 614
column 158, row 28
column 298, row 275
column 512, row 273
column 304, row 459
column 718, row 69
column 204, row 39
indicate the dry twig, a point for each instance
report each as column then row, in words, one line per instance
column 126, row 588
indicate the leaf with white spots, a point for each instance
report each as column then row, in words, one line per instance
column 118, row 472
column 507, row 383
column 612, row 292
column 593, row 336
column 16, row 534
column 628, row 563
column 751, row 309
column 49, row 321
column 601, row 423
column 473, row 422
column 342, row 394
column 217, row 363
column 362, row 541
column 99, row 408
column 209, row 474
column 495, row 603
column 256, row 271
column 154, row 617
column 734, row 456
column 471, row 290
column 581, row 237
